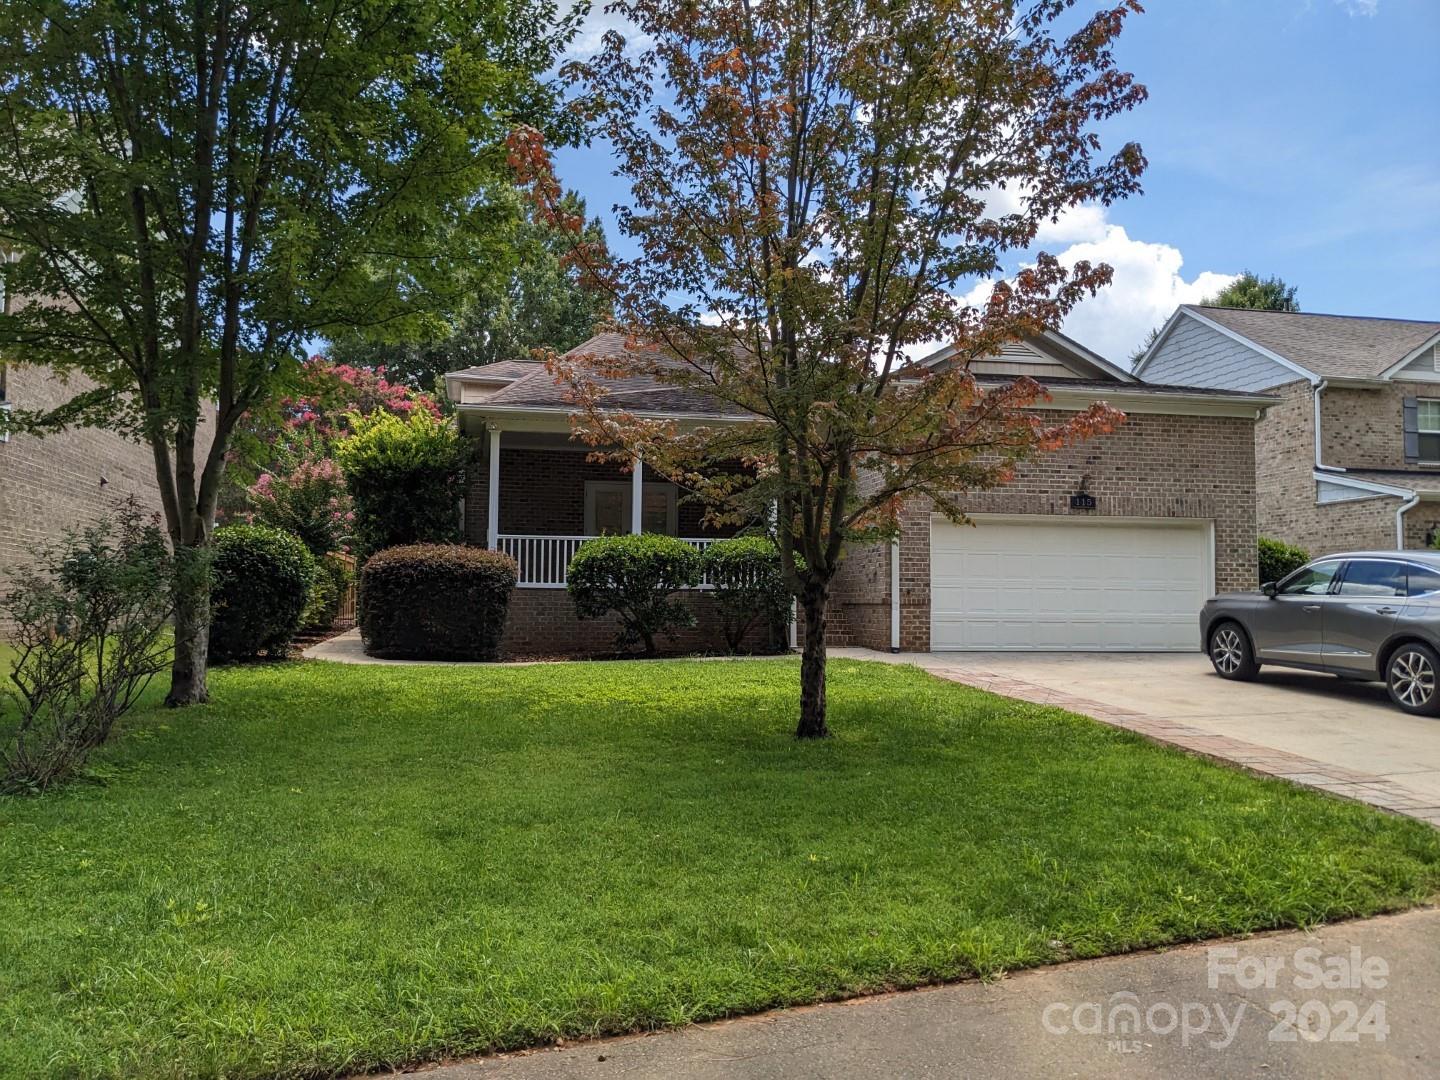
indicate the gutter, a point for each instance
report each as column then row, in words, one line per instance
column 1318, row 388
column 1405, row 507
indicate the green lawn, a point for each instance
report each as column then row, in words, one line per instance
column 332, row 868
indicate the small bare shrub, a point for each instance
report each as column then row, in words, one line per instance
column 89, row 636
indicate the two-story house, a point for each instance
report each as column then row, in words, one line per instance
column 1349, row 456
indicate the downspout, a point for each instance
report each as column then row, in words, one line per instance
column 1320, row 466
column 1405, row 507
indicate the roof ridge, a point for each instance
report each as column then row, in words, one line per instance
column 1321, row 314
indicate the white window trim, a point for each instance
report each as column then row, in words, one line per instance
column 624, row 488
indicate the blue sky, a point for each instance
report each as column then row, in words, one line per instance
column 1290, row 137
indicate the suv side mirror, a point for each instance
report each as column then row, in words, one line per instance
column 1269, row 588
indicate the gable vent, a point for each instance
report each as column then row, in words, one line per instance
column 1435, row 356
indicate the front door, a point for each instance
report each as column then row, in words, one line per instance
column 1359, row 616
column 1289, row 628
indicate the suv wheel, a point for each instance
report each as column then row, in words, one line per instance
column 1229, row 651
column 1411, row 677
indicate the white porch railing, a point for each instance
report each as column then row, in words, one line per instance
column 543, row 560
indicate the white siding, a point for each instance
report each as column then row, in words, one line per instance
column 1336, row 493
column 1196, row 355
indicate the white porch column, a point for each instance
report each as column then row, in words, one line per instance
column 492, row 493
column 637, row 496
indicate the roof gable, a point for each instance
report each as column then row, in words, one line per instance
column 1048, row 355
column 1192, row 350
column 1328, row 346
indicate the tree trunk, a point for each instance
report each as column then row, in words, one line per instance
column 814, row 600
column 192, row 627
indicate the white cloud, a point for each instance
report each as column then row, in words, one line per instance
column 592, row 32
column 1147, row 286
column 1145, row 289
column 1359, row 7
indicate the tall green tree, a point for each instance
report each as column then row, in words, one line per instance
column 544, row 301
column 188, row 192
column 1249, row 290
column 809, row 185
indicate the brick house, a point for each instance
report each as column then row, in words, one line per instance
column 62, row 481
column 1349, row 456
column 1111, row 544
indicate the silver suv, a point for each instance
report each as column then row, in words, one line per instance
column 1362, row 615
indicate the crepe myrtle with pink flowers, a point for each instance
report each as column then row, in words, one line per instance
column 329, row 394
column 305, row 496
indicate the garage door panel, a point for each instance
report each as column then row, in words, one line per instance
column 1057, row 584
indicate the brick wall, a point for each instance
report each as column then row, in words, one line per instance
column 859, row 612
column 1360, row 429
column 1363, row 429
column 52, row 484
column 1151, row 466
column 1285, row 464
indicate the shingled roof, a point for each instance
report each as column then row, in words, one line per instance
column 537, row 389
column 500, row 371
column 1331, row 346
column 636, row 393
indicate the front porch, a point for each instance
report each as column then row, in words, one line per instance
column 537, row 499
column 543, row 559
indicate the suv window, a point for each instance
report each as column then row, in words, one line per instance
column 1423, row 581
column 1373, row 577
column 1310, row 580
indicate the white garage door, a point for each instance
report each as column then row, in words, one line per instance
column 1061, row 583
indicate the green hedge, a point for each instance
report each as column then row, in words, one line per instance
column 435, row 602
column 749, row 588
column 1278, row 558
column 405, row 478
column 633, row 576
column 260, row 584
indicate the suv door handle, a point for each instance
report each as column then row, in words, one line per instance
column 1387, row 611
column 1310, row 609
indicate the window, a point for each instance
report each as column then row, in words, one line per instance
column 1423, row 581
column 1373, row 577
column 1427, row 423
column 1310, row 580
column 607, row 508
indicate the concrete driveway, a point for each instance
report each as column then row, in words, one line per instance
column 1343, row 736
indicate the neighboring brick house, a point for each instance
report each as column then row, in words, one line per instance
column 62, row 481
column 1111, row 544
column 1349, row 457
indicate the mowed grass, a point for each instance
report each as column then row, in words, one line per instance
column 337, row 868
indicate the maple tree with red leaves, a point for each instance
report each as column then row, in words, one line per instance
column 811, row 182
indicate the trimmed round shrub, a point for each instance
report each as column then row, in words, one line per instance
column 749, row 589
column 435, row 602
column 633, row 576
column 260, row 583
column 1278, row 558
